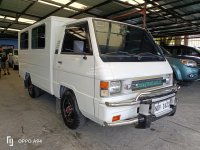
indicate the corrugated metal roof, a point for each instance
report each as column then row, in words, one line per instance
column 164, row 17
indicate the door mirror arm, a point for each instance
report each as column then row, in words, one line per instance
column 84, row 55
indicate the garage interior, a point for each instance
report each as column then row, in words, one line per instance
column 171, row 22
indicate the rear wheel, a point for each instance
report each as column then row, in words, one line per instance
column 71, row 114
column 33, row 90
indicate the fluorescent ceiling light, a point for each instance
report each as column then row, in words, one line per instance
column 47, row 3
column 2, row 16
column 11, row 29
column 10, row 18
column 30, row 21
column 70, row 9
column 149, row 5
column 155, row 10
column 130, row 2
column 1, row 28
column 140, row 1
column 78, row 5
column 62, row 1
column 138, row 9
column 133, row 2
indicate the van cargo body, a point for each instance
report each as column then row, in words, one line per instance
column 110, row 72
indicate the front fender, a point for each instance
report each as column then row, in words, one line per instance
column 177, row 72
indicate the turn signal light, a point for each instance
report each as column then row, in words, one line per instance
column 115, row 118
column 104, row 84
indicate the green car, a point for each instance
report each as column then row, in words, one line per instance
column 184, row 69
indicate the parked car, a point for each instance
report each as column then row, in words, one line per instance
column 185, row 52
column 184, row 69
column 13, row 59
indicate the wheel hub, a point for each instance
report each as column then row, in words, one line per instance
column 69, row 109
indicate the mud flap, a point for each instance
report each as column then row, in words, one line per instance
column 58, row 110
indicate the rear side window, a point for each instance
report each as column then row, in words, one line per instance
column 38, row 37
column 24, row 40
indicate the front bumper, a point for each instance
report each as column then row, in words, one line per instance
column 144, row 101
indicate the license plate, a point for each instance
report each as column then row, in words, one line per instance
column 161, row 107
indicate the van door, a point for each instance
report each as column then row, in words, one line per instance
column 75, row 65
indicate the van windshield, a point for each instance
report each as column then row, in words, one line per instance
column 118, row 42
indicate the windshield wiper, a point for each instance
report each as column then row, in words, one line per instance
column 117, row 52
column 148, row 54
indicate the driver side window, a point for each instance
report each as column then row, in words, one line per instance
column 76, row 39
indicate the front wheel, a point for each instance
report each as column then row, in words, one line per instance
column 175, row 81
column 71, row 114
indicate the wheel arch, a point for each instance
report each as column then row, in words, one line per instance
column 177, row 73
column 63, row 89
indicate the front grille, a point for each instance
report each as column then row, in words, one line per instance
column 148, row 83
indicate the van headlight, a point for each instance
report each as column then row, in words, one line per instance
column 188, row 62
column 108, row 88
column 115, row 87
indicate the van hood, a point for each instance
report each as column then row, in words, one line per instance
column 126, row 70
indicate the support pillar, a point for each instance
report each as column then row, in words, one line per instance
column 178, row 40
column 186, row 40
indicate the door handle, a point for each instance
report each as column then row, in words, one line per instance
column 60, row 62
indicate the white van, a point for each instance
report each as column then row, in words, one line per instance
column 110, row 72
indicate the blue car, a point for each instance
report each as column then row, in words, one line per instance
column 185, row 52
column 184, row 69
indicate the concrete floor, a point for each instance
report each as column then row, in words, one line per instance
column 24, row 118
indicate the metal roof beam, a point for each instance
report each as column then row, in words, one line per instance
column 20, row 23
column 182, row 33
column 12, row 11
column 58, row 9
column 19, row 15
column 87, row 10
column 138, row 6
column 173, row 13
column 163, row 19
column 184, row 5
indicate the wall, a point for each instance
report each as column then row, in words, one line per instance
column 9, row 41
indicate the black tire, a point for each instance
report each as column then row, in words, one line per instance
column 33, row 90
column 175, row 81
column 71, row 114
column 186, row 83
column 172, row 114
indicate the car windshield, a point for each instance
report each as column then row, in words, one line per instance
column 122, row 42
column 198, row 50
column 165, row 52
